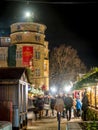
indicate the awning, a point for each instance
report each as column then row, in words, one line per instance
column 87, row 80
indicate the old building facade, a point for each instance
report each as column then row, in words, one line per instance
column 27, row 48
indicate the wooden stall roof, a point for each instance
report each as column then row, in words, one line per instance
column 90, row 78
column 11, row 74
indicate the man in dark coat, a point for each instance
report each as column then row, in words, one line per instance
column 68, row 104
column 47, row 104
column 52, row 104
column 40, row 105
column 85, row 104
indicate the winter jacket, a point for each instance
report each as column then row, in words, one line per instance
column 59, row 105
column 78, row 104
column 52, row 103
column 68, row 102
column 40, row 103
column 85, row 102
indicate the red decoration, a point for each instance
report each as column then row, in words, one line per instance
column 76, row 94
column 27, row 55
column 44, row 87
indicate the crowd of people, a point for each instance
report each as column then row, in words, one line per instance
column 61, row 103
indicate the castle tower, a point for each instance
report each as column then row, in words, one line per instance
column 32, row 51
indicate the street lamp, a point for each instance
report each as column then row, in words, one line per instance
column 67, row 88
column 53, row 90
column 29, row 16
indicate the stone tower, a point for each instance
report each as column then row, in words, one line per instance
column 32, row 51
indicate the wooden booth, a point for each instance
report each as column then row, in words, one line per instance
column 14, row 96
column 89, row 82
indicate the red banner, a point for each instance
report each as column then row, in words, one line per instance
column 27, row 55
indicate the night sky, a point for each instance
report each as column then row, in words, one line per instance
column 70, row 23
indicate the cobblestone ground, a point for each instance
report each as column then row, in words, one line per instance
column 46, row 123
column 49, row 123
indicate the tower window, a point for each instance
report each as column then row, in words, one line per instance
column 37, row 71
column 2, row 56
column 37, row 55
column 45, row 67
column 18, row 54
column 37, row 37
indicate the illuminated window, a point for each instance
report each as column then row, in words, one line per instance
column 7, row 40
column 37, row 71
column 38, row 28
column 37, row 37
column 18, row 54
column 45, row 67
column 18, row 37
column 37, row 55
column 2, row 56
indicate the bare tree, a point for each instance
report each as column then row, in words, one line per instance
column 64, row 65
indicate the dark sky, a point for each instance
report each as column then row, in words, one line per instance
column 70, row 23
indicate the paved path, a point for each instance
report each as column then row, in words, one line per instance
column 49, row 123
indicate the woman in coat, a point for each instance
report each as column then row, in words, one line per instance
column 59, row 105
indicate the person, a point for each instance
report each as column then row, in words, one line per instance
column 46, row 104
column 64, row 111
column 85, row 104
column 52, row 104
column 59, row 106
column 40, row 105
column 35, row 106
column 78, row 106
column 69, row 103
column 74, row 108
